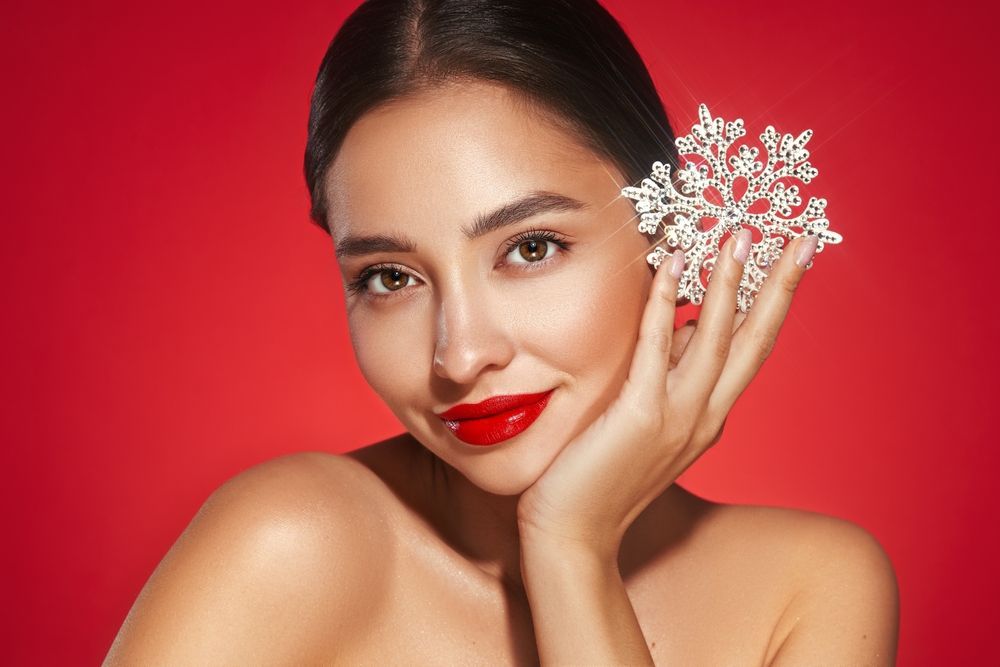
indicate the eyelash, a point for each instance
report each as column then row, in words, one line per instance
column 360, row 284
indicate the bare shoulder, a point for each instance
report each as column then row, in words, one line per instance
column 280, row 564
column 820, row 538
column 841, row 597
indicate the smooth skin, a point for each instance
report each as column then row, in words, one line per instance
column 570, row 544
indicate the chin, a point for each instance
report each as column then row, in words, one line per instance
column 507, row 483
column 505, row 469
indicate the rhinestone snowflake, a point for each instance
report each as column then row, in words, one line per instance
column 704, row 205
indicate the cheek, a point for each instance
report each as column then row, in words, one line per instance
column 587, row 332
column 589, row 318
column 387, row 355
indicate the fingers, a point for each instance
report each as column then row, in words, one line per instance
column 755, row 339
column 705, row 358
column 682, row 336
column 652, row 353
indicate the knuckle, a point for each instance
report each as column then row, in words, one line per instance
column 646, row 416
column 724, row 280
column 788, row 282
column 762, row 342
column 667, row 293
column 718, row 342
column 660, row 338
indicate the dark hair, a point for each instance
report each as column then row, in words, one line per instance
column 570, row 58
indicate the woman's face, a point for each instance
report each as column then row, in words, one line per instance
column 454, row 319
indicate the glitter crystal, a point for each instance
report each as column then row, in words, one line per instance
column 677, row 202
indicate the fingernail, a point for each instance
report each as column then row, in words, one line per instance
column 806, row 250
column 677, row 264
column 742, row 250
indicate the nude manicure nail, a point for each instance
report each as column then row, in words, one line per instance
column 742, row 250
column 806, row 250
column 677, row 264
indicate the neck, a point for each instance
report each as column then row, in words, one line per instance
column 482, row 526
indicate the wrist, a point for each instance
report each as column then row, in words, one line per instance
column 557, row 568
column 541, row 547
column 540, row 531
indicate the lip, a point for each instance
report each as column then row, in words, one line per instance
column 493, row 405
column 496, row 419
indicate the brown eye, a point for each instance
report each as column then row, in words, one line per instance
column 393, row 279
column 533, row 249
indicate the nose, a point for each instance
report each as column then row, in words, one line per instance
column 471, row 336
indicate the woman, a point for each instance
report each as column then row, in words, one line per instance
column 467, row 157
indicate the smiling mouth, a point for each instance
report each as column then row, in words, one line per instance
column 491, row 406
column 491, row 426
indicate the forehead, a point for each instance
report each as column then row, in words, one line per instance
column 446, row 154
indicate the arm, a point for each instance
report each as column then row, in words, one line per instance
column 848, row 611
column 662, row 421
column 579, row 607
column 278, row 566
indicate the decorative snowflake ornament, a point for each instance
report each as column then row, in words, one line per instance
column 724, row 191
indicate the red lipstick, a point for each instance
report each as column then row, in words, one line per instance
column 496, row 419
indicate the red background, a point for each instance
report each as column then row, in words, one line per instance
column 171, row 317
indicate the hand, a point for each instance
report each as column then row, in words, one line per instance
column 682, row 336
column 672, row 407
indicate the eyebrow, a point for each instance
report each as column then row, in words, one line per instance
column 508, row 214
